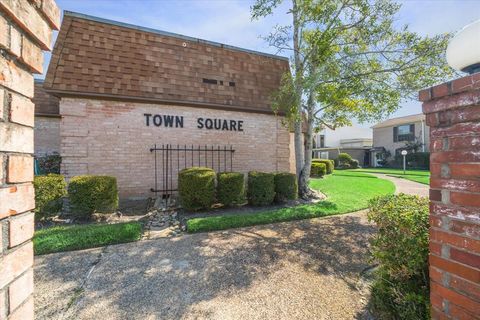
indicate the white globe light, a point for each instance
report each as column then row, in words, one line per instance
column 463, row 51
column 404, row 152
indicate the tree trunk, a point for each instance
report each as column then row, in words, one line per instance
column 304, row 179
column 298, row 141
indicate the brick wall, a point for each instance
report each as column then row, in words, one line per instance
column 47, row 135
column 453, row 113
column 25, row 29
column 111, row 137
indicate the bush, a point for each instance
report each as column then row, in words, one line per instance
column 318, row 169
column 89, row 194
column 261, row 188
column 344, row 159
column 401, row 287
column 330, row 164
column 49, row 163
column 230, row 188
column 49, row 191
column 354, row 164
column 196, row 188
column 286, row 187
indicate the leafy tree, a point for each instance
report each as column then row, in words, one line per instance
column 349, row 60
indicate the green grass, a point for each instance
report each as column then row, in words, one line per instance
column 346, row 192
column 420, row 176
column 69, row 238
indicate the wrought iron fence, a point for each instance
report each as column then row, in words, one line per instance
column 170, row 159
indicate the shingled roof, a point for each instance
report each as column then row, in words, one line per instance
column 45, row 103
column 102, row 58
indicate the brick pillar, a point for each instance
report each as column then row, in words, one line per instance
column 453, row 114
column 25, row 30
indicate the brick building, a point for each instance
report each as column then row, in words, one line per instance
column 47, row 122
column 25, row 30
column 453, row 113
column 124, row 88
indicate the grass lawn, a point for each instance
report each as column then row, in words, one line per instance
column 68, row 238
column 420, row 176
column 346, row 192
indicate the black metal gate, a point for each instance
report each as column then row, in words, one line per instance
column 170, row 159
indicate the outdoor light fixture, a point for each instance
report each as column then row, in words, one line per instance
column 463, row 51
column 404, row 154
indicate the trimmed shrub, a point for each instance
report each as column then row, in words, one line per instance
column 400, row 246
column 318, row 169
column 261, row 188
column 330, row 164
column 230, row 188
column 196, row 188
column 344, row 159
column 354, row 164
column 89, row 194
column 286, row 187
column 49, row 191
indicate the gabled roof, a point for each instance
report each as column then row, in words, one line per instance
column 400, row 120
column 45, row 103
column 103, row 58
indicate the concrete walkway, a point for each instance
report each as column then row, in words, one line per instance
column 405, row 186
column 310, row 269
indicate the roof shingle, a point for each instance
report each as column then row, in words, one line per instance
column 98, row 57
column 45, row 104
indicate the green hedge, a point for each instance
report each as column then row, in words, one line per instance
column 286, row 187
column 354, row 164
column 231, row 188
column 330, row 164
column 196, row 188
column 400, row 246
column 261, row 188
column 89, row 194
column 344, row 159
column 318, row 170
column 49, row 191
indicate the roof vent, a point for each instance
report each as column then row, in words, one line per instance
column 210, row 81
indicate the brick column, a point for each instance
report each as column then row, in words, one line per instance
column 25, row 30
column 453, row 114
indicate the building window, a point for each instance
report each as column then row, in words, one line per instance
column 322, row 141
column 405, row 132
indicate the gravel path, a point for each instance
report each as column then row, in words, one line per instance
column 310, row 269
column 405, row 186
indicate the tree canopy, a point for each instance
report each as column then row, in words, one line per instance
column 350, row 60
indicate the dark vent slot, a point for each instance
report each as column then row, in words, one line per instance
column 210, row 81
column 231, row 84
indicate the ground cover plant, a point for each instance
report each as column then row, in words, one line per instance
column 420, row 176
column 66, row 238
column 400, row 247
column 346, row 192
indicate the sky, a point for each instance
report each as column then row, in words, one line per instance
column 229, row 22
